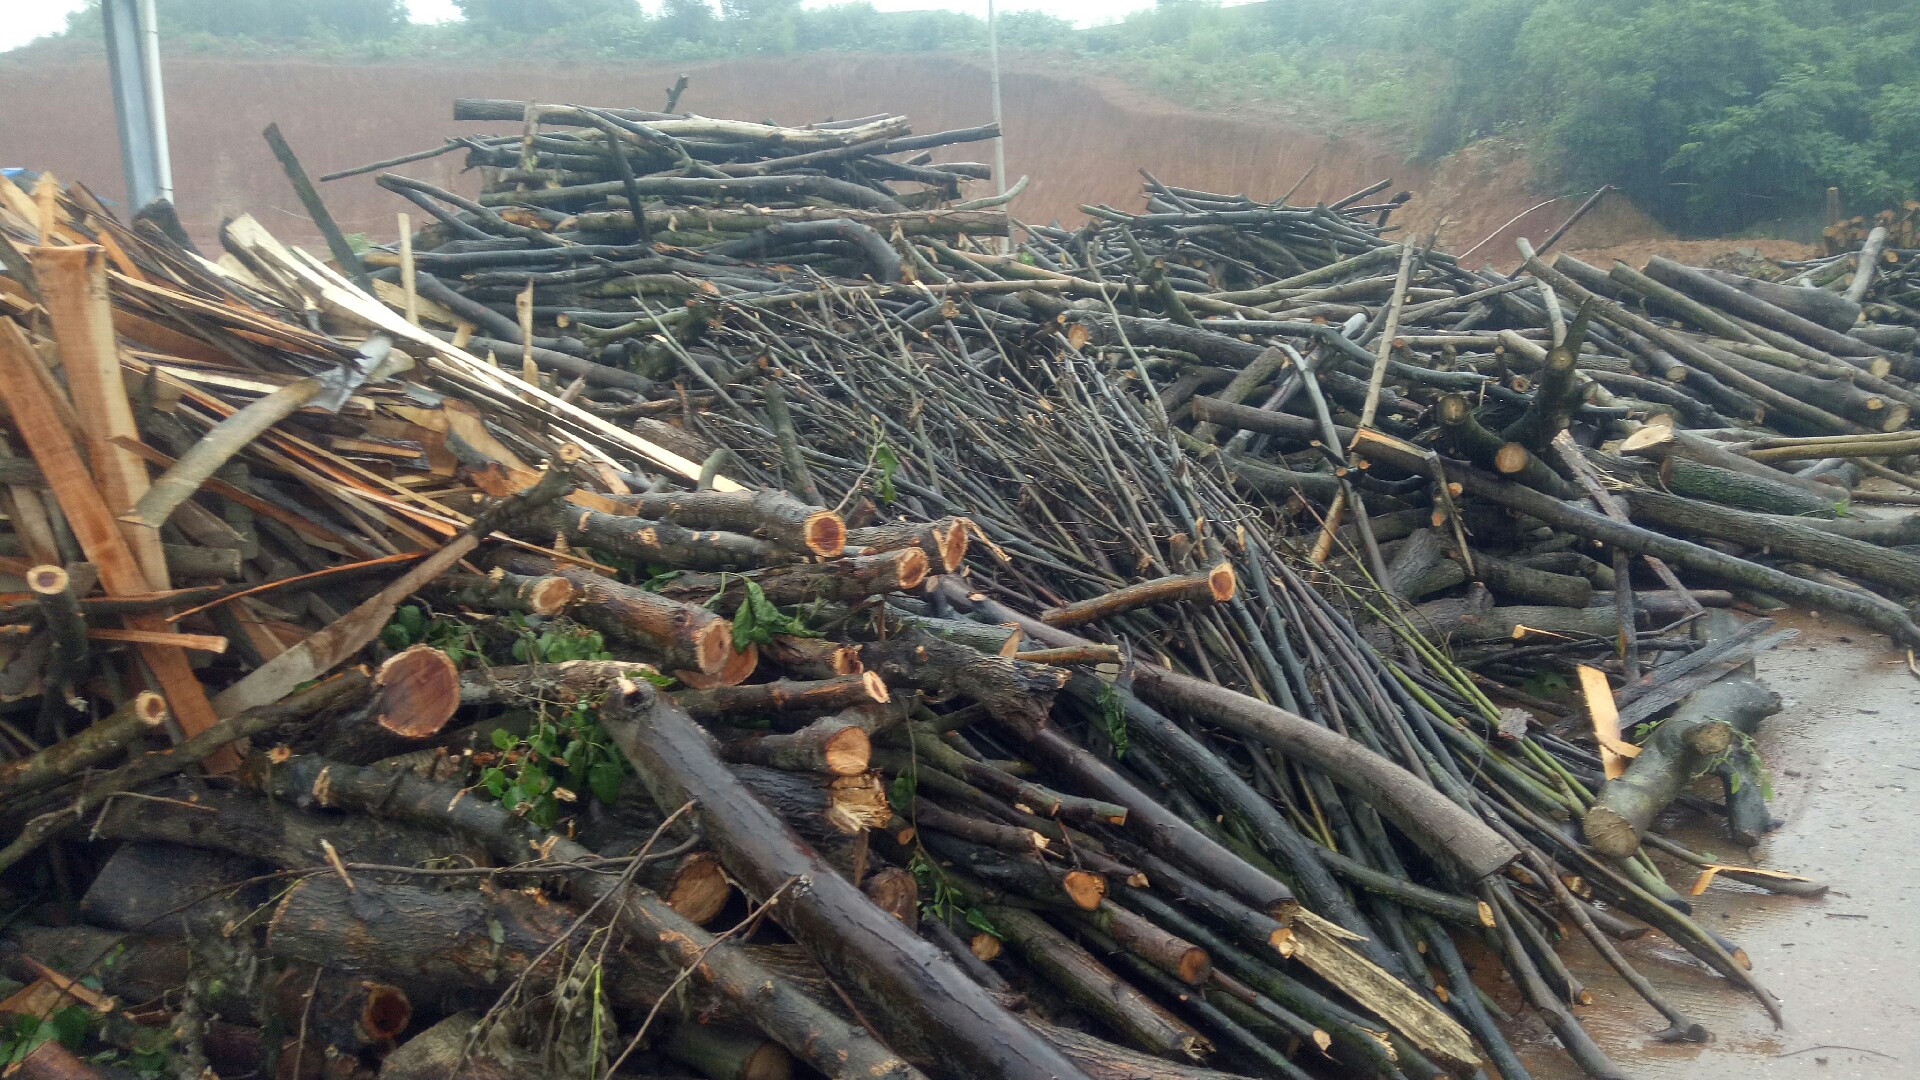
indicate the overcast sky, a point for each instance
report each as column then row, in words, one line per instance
column 29, row 19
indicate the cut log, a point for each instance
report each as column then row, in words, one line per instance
column 794, row 1019
column 894, row 891
column 148, row 768
column 143, row 714
column 915, row 994
column 1093, row 986
column 785, row 697
column 1212, row 586
column 416, row 690
column 661, row 543
column 728, row 1052
column 739, row 667
column 503, row 592
column 846, row 581
column 1824, row 306
column 449, row 1051
column 1770, row 532
column 680, row 634
column 944, row 541
column 1169, row 952
column 832, row 745
column 771, row 515
column 1704, row 725
column 1872, row 610
column 1012, row 691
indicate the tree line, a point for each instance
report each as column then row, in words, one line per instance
column 1713, row 115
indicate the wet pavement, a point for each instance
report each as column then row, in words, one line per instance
column 1845, row 762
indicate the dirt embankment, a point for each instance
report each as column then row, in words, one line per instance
column 1082, row 139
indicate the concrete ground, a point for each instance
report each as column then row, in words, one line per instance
column 1845, row 762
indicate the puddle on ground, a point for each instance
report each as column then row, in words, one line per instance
column 1846, row 771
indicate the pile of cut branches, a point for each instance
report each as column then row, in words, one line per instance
column 714, row 602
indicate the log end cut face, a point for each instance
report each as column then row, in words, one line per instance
column 419, row 692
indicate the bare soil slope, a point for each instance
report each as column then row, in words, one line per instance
column 1081, row 138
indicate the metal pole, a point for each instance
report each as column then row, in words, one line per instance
column 999, row 142
column 999, row 122
column 156, row 97
column 133, row 60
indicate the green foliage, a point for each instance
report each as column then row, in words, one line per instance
column 904, row 789
column 943, row 900
column 563, row 755
column 888, row 463
column 556, row 643
column 23, row 1034
column 758, row 620
column 411, row 625
column 1749, row 753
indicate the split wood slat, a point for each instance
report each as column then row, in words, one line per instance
column 254, row 503
column 247, row 323
column 448, row 360
column 73, row 286
column 118, row 256
column 1615, row 751
column 94, row 526
column 162, row 338
column 212, row 643
column 341, row 471
column 17, row 201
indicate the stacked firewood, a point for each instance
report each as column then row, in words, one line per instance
column 713, row 602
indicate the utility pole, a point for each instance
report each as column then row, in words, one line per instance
column 133, row 58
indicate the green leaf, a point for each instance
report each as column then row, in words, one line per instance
column 413, row 618
column 1733, row 782
column 603, row 779
column 504, row 739
column 888, row 463
column 902, row 791
column 758, row 620
column 978, row 920
column 70, row 1025
column 395, row 636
